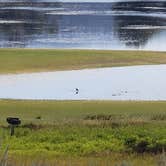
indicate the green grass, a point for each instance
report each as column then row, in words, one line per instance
column 52, row 112
column 34, row 60
column 112, row 160
column 79, row 128
column 72, row 140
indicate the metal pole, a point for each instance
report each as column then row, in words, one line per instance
column 12, row 130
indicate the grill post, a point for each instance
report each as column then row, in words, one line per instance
column 13, row 122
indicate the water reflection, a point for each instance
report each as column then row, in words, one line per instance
column 144, row 20
column 116, row 25
column 22, row 22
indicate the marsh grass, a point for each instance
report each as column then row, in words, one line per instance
column 159, row 117
column 53, row 112
column 35, row 60
column 113, row 160
column 162, row 159
column 88, row 140
column 4, row 157
column 84, row 133
column 45, row 157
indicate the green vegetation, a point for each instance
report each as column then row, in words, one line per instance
column 86, row 141
column 51, row 112
column 86, row 130
column 94, row 133
column 30, row 60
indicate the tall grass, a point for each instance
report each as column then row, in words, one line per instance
column 110, row 160
column 4, row 157
column 162, row 159
column 52, row 112
column 114, row 160
column 84, row 133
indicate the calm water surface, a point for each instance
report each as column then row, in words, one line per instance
column 99, row 25
column 120, row 83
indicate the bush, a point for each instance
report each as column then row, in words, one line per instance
column 137, row 145
column 130, row 142
column 158, row 146
column 98, row 117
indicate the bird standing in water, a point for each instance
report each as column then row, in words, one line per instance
column 77, row 91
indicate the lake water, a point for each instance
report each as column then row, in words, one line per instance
column 100, row 25
column 119, row 83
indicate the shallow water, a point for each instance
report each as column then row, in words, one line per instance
column 108, row 24
column 120, row 83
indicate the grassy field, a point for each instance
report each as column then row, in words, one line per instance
column 79, row 133
column 51, row 112
column 34, row 60
column 85, row 131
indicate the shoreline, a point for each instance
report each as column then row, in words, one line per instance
column 16, row 61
